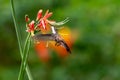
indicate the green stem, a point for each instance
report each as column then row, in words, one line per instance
column 18, row 38
column 15, row 25
column 25, row 56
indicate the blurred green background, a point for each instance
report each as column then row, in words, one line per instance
column 95, row 53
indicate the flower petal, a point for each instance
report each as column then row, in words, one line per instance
column 43, row 24
column 39, row 15
column 31, row 26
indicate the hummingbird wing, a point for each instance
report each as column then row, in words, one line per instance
column 43, row 37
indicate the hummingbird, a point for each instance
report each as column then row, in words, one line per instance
column 54, row 36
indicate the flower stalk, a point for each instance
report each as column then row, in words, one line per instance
column 25, row 57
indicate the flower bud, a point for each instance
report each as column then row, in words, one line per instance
column 27, row 19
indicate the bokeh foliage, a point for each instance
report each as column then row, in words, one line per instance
column 96, row 51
